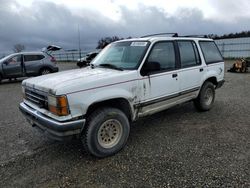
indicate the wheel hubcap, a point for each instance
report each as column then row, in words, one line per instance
column 209, row 96
column 110, row 133
column 45, row 72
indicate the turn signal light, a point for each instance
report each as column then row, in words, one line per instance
column 58, row 105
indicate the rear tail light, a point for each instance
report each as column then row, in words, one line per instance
column 53, row 59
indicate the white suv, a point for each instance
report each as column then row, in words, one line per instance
column 129, row 79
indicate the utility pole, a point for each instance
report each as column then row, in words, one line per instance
column 79, row 42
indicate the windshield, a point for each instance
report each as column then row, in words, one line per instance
column 6, row 57
column 123, row 55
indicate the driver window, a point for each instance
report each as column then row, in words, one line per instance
column 14, row 60
column 164, row 54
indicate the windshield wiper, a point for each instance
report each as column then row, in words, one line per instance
column 110, row 66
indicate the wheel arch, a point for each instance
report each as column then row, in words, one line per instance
column 212, row 79
column 119, row 103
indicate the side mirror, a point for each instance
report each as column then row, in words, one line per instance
column 150, row 66
column 5, row 62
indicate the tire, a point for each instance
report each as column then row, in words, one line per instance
column 45, row 71
column 0, row 78
column 243, row 68
column 205, row 99
column 106, row 132
column 81, row 64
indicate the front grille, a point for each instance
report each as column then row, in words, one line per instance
column 36, row 98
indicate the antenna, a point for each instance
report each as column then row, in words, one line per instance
column 79, row 42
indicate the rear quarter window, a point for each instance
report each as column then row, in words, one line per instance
column 210, row 52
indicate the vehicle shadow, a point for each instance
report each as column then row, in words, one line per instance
column 12, row 81
column 139, row 132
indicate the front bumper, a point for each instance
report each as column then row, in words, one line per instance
column 54, row 129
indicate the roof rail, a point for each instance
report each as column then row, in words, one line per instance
column 198, row 36
column 173, row 35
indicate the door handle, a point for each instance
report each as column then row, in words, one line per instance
column 201, row 69
column 174, row 75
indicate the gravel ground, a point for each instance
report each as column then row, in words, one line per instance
column 179, row 147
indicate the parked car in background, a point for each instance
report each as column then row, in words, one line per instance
column 25, row 64
column 87, row 59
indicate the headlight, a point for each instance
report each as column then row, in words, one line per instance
column 58, row 105
column 23, row 92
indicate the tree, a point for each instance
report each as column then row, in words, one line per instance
column 103, row 42
column 231, row 35
column 18, row 48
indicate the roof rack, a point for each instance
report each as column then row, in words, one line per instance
column 173, row 35
column 176, row 35
column 198, row 36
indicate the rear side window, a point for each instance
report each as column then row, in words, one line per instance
column 210, row 52
column 33, row 57
column 188, row 54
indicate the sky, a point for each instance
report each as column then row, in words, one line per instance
column 39, row 23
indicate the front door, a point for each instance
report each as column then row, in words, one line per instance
column 160, row 86
column 12, row 67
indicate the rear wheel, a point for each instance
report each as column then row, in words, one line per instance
column 106, row 132
column 205, row 99
column 45, row 71
column 244, row 67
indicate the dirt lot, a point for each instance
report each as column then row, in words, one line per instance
column 179, row 147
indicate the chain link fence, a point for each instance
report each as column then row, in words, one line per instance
column 234, row 48
column 61, row 56
column 69, row 56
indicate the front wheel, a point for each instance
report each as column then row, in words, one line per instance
column 205, row 99
column 81, row 64
column 106, row 132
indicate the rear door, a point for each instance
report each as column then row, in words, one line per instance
column 33, row 63
column 191, row 68
column 213, row 59
column 12, row 67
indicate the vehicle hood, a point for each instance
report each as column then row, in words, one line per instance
column 73, row 80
